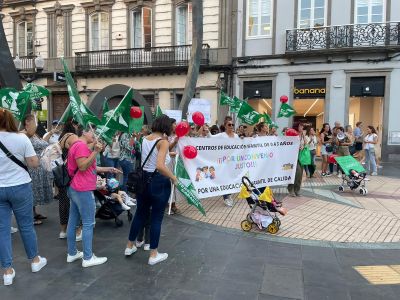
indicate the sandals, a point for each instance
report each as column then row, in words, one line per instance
column 39, row 217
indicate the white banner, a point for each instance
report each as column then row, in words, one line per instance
column 222, row 162
column 175, row 114
column 201, row 105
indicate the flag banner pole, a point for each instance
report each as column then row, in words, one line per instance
column 173, row 192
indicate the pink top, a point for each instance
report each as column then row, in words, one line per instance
column 82, row 181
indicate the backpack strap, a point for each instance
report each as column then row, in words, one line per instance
column 12, row 157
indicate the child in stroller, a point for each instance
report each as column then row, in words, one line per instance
column 354, row 180
column 112, row 201
column 264, row 208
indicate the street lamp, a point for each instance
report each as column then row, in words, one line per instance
column 39, row 66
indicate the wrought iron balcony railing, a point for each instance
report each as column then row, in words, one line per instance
column 344, row 37
column 170, row 56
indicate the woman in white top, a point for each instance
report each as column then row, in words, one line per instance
column 157, row 189
column 311, row 141
column 112, row 154
column 16, row 195
column 370, row 140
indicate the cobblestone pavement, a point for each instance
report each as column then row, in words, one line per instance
column 322, row 213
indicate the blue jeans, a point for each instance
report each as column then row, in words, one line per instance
column 17, row 199
column 111, row 162
column 370, row 160
column 155, row 196
column 82, row 207
column 127, row 167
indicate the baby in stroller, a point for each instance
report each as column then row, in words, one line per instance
column 110, row 189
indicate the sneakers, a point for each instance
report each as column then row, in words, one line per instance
column 146, row 247
column 139, row 244
column 339, row 175
column 14, row 230
column 93, row 261
column 328, row 174
column 125, row 207
column 130, row 251
column 79, row 237
column 8, row 279
column 72, row 258
column 292, row 194
column 128, row 200
column 36, row 267
column 228, row 202
column 62, row 235
column 158, row 258
column 374, row 174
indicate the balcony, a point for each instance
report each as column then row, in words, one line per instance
column 344, row 38
column 138, row 58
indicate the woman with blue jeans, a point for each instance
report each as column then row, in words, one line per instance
column 16, row 195
column 111, row 155
column 157, row 188
column 82, row 169
column 370, row 140
column 126, row 159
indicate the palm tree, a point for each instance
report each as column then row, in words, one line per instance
column 194, row 65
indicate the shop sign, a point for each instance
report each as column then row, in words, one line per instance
column 309, row 88
column 309, row 91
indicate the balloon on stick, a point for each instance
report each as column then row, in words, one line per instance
column 190, row 152
column 284, row 99
column 182, row 129
column 291, row 132
column 198, row 118
column 135, row 112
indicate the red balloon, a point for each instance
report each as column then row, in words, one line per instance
column 284, row 99
column 291, row 132
column 135, row 112
column 190, row 152
column 182, row 129
column 198, row 118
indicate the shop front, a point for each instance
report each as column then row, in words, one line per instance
column 259, row 95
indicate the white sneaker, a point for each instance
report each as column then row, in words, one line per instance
column 374, row 174
column 125, row 207
column 8, row 279
column 72, row 258
column 139, row 244
column 62, row 235
column 146, row 247
column 36, row 267
column 93, row 261
column 130, row 203
column 159, row 258
column 14, row 230
column 228, row 202
column 79, row 237
column 130, row 251
column 339, row 176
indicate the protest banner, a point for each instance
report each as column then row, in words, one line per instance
column 221, row 163
column 175, row 114
column 201, row 105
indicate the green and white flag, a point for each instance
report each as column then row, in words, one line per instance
column 248, row 115
column 105, row 112
column 286, row 111
column 224, row 99
column 267, row 118
column 80, row 112
column 105, row 133
column 237, row 104
column 186, row 187
column 16, row 102
column 158, row 112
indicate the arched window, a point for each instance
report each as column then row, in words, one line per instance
column 25, row 38
column 99, row 35
column 141, row 28
column 183, row 26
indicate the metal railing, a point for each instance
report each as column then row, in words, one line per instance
column 372, row 35
column 168, row 56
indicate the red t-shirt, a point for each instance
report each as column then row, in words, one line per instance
column 82, row 181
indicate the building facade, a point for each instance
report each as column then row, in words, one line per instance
column 111, row 45
column 336, row 60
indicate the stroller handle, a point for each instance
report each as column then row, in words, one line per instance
column 247, row 183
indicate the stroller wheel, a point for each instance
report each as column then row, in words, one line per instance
column 272, row 228
column 341, row 188
column 277, row 222
column 119, row 222
column 363, row 191
column 246, row 225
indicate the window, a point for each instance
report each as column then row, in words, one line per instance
column 311, row 13
column 141, row 28
column 259, row 18
column 99, row 35
column 184, row 24
column 25, row 38
column 370, row 11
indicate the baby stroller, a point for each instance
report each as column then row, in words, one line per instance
column 269, row 221
column 354, row 174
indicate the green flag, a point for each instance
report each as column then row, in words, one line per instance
column 185, row 186
column 267, row 118
column 248, row 115
column 136, row 125
column 286, row 111
column 80, row 112
column 158, row 112
column 105, row 111
column 16, row 102
column 105, row 133
column 224, row 99
column 348, row 163
column 237, row 104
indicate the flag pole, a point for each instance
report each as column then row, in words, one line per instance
column 173, row 193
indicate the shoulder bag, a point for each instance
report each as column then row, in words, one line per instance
column 60, row 172
column 135, row 183
column 13, row 158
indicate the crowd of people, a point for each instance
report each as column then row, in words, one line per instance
column 26, row 184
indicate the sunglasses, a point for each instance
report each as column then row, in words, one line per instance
column 244, row 127
column 230, row 125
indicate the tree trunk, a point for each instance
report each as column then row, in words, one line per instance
column 8, row 74
column 195, row 58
